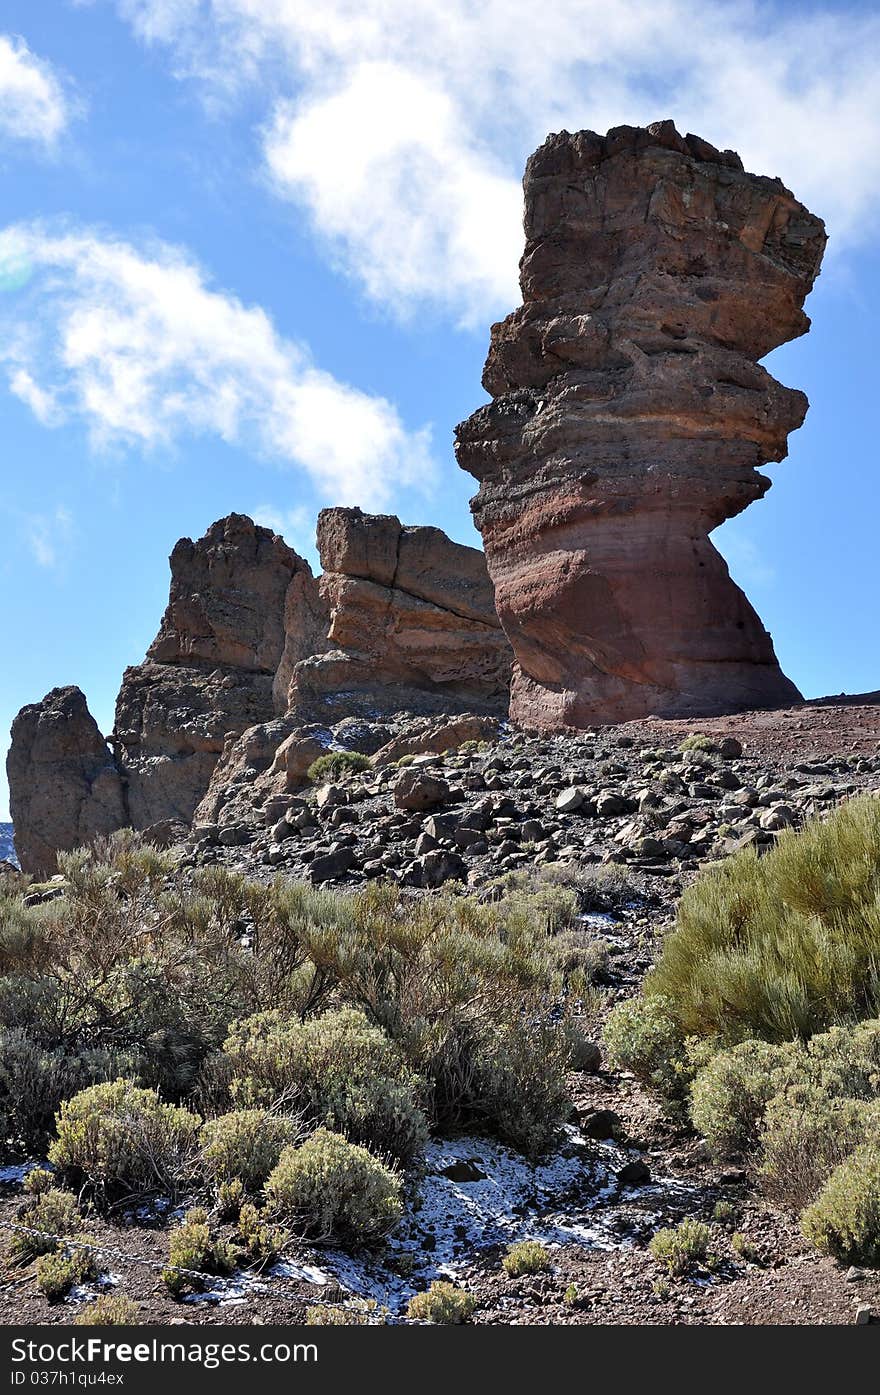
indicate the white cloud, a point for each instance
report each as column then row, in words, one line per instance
column 33, row 103
column 402, row 126
column 42, row 403
column 136, row 345
column 48, row 535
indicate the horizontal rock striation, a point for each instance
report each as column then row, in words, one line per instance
column 211, row 669
column 412, row 624
column 629, row 417
column 256, row 671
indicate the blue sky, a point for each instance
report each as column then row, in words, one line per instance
column 250, row 251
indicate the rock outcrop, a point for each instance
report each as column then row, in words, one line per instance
column 412, row 624
column 64, row 786
column 628, row 419
column 256, row 671
column 211, row 669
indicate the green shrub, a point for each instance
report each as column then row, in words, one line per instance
column 744, row 1248
column 681, row 1248
column 441, row 1303
column 730, row 1094
column 362, row 1314
column 47, row 1215
column 519, row 1083
column 698, row 742
column 230, row 1199
column 806, row 1135
column 528, row 1257
column 121, row 1140
column 57, row 1273
column 642, row 1036
column 37, row 1181
column 783, row 946
column 336, row 764
column 332, row 1189
column 844, row 1220
column 245, row 1145
column 337, row 1070
column 35, row 1078
column 110, row 1310
column 261, row 1242
column 194, row 1247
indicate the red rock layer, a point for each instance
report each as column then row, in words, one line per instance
column 628, row 421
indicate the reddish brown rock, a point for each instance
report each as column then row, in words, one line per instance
column 412, row 624
column 210, row 671
column 628, row 421
column 64, row 787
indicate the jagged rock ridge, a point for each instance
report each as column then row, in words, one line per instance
column 628, row 419
column 250, row 652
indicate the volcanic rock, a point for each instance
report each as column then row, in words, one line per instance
column 211, row 669
column 64, row 787
column 629, row 417
column 412, row 624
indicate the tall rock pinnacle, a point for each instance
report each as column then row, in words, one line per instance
column 629, row 417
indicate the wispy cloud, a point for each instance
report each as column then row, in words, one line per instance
column 48, row 535
column 136, row 345
column 401, row 126
column 34, row 105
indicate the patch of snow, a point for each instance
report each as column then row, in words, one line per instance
column 559, row 1202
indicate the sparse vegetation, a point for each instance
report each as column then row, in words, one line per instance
column 335, row 765
column 337, row 1070
column 844, row 1220
column 331, row 1189
column 442, row 1303
column 244, row 1146
column 109, row 1310
column 528, row 1257
column 643, row 1037
column 48, row 1214
column 121, row 1140
column 783, row 946
column 681, row 1248
column 697, row 741
column 58, row 1272
column 194, row 1250
column 731, row 1092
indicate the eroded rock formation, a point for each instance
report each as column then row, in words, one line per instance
column 210, row 670
column 628, row 419
column 257, row 670
column 412, row 624
column 64, row 786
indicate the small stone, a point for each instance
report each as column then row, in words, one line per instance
column 570, row 800
column 635, row 1173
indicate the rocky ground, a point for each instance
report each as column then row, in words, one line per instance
column 624, row 796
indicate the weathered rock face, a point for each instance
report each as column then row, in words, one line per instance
column 210, row 671
column 64, row 787
column 629, row 417
column 251, row 653
column 412, row 624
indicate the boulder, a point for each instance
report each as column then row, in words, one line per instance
column 629, row 416
column 415, row 790
column 64, row 786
